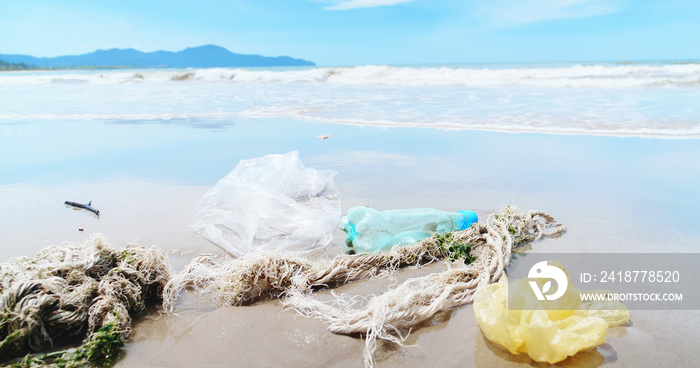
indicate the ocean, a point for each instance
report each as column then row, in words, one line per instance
column 654, row 99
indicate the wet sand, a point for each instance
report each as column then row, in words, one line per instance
column 614, row 195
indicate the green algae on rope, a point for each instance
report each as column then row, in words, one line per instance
column 101, row 349
column 75, row 290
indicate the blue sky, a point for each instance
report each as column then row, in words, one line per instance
column 344, row 32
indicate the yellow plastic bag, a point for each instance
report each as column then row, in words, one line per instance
column 549, row 335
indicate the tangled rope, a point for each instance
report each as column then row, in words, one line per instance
column 74, row 289
column 272, row 275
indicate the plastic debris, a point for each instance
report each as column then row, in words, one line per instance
column 369, row 230
column 272, row 202
column 388, row 316
column 550, row 335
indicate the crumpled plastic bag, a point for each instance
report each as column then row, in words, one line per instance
column 272, row 202
column 549, row 335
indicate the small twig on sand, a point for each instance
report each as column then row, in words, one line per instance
column 84, row 206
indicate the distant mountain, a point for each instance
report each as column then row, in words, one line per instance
column 208, row 56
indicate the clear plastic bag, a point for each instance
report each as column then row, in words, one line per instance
column 271, row 202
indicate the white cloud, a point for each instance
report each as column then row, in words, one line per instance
column 510, row 13
column 354, row 4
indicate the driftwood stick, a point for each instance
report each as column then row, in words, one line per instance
column 84, row 206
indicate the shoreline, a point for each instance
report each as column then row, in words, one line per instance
column 187, row 119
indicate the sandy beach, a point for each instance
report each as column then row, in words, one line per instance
column 623, row 195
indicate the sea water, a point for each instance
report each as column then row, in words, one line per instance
column 655, row 99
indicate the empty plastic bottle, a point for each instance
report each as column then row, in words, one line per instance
column 369, row 230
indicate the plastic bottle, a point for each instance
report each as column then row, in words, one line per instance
column 369, row 230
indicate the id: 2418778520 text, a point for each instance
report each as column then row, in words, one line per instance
column 630, row 276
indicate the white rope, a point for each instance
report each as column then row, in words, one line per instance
column 385, row 316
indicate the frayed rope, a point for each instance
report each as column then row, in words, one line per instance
column 265, row 275
column 67, row 290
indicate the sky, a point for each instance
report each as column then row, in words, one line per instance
column 359, row 32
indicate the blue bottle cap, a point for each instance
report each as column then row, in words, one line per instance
column 467, row 219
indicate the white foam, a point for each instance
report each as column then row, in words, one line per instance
column 571, row 76
column 659, row 131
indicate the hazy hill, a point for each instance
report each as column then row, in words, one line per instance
column 208, row 56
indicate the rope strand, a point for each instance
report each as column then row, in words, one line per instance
column 75, row 289
column 264, row 275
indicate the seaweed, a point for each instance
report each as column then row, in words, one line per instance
column 455, row 250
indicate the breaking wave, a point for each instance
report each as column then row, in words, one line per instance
column 612, row 75
column 643, row 100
